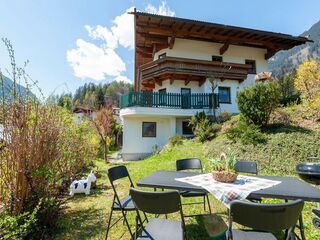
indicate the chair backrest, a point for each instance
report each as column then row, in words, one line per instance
column 156, row 202
column 243, row 166
column 118, row 172
column 266, row 217
column 189, row 164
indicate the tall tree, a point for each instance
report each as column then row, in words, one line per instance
column 307, row 80
column 103, row 124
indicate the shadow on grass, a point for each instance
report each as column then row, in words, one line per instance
column 82, row 224
column 196, row 229
column 284, row 128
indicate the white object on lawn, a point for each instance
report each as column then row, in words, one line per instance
column 82, row 186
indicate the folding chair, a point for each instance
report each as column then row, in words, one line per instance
column 192, row 164
column 244, row 166
column 263, row 218
column 157, row 203
column 124, row 204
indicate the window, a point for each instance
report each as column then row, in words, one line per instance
column 251, row 70
column 162, row 55
column 149, row 129
column 224, row 95
column 216, row 58
column 186, row 128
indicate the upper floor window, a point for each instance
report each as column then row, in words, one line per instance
column 253, row 69
column 224, row 95
column 163, row 55
column 216, row 58
column 149, row 129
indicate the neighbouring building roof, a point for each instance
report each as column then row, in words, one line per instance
column 83, row 110
column 156, row 32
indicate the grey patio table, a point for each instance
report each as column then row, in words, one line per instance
column 290, row 188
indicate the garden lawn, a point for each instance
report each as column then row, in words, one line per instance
column 85, row 217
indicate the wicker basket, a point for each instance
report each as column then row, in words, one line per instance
column 224, row 176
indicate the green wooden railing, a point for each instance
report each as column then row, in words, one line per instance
column 169, row 100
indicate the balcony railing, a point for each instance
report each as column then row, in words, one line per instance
column 169, row 100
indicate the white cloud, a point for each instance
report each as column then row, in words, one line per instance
column 123, row 79
column 163, row 9
column 104, row 34
column 95, row 62
column 123, row 29
column 99, row 61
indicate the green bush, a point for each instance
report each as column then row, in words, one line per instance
column 204, row 130
column 175, row 140
column 18, row 227
column 203, row 127
column 246, row 133
column 257, row 102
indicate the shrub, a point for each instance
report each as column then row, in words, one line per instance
column 204, row 130
column 18, row 227
column 42, row 148
column 288, row 93
column 257, row 102
column 224, row 116
column 203, row 127
column 175, row 140
column 307, row 79
column 246, row 133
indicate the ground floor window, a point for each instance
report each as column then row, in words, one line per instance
column 224, row 95
column 186, row 128
column 149, row 129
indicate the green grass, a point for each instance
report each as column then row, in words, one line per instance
column 86, row 217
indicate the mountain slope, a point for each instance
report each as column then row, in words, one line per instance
column 6, row 89
column 285, row 61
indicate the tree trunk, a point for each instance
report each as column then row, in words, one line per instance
column 105, row 151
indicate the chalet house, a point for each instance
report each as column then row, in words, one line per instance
column 184, row 66
column 81, row 114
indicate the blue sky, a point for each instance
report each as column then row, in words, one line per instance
column 70, row 42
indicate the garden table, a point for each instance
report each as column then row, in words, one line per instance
column 290, row 188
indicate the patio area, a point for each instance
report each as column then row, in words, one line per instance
column 87, row 217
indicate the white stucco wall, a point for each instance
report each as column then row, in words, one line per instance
column 135, row 146
column 201, row 50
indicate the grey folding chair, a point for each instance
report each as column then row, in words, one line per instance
column 244, row 166
column 157, row 203
column 192, row 164
column 124, row 204
column 263, row 218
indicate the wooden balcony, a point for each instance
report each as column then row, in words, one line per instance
column 189, row 70
column 169, row 100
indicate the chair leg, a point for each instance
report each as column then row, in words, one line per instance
column 126, row 221
column 109, row 222
column 208, row 203
column 204, row 203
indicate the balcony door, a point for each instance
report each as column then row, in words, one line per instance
column 185, row 98
column 163, row 97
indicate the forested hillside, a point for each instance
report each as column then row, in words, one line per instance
column 93, row 95
column 286, row 61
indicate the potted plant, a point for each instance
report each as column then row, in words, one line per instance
column 223, row 167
